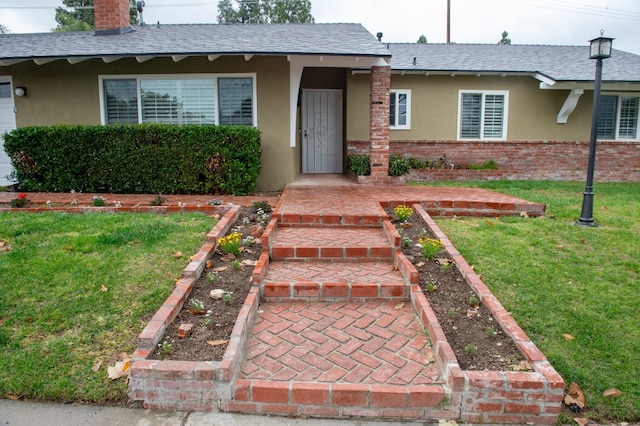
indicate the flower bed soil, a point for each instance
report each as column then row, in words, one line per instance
column 216, row 323
column 477, row 340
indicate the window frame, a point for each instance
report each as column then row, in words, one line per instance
column 619, row 96
column 194, row 76
column 484, row 93
column 407, row 93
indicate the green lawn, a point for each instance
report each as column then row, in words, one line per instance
column 77, row 289
column 558, row 278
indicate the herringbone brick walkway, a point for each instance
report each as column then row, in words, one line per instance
column 373, row 343
column 361, row 272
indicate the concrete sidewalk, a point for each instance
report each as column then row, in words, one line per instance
column 26, row 413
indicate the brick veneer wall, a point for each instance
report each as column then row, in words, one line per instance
column 379, row 120
column 111, row 16
column 551, row 160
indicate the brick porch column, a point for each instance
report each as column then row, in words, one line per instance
column 379, row 120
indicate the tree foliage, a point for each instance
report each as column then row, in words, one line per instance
column 77, row 15
column 505, row 38
column 4, row 30
column 422, row 39
column 265, row 12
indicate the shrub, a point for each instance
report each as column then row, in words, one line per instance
column 359, row 165
column 414, row 163
column 148, row 158
column 487, row 165
column 398, row 166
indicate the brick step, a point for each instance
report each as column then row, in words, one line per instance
column 332, row 219
column 302, row 242
column 320, row 280
column 341, row 359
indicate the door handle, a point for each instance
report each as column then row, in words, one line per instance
column 305, row 133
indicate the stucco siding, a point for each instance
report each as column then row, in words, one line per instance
column 532, row 112
column 61, row 93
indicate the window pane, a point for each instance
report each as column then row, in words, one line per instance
column 628, row 118
column 392, row 109
column 606, row 123
column 236, row 101
column 493, row 116
column 471, row 112
column 402, row 109
column 121, row 101
column 5, row 90
column 178, row 101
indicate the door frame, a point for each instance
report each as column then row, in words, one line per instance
column 339, row 123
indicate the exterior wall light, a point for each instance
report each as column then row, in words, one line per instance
column 21, row 91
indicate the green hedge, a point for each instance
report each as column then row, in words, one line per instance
column 148, row 158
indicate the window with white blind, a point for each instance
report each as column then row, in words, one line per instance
column 618, row 117
column 200, row 99
column 400, row 109
column 482, row 115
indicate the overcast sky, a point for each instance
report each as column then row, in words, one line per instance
column 569, row 22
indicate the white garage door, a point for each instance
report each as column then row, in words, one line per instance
column 7, row 123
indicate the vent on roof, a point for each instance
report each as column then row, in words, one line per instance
column 379, row 35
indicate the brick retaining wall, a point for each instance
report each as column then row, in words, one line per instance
column 527, row 160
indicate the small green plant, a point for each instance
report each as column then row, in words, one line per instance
column 406, row 241
column 235, row 264
column 491, row 331
column 430, row 286
column 261, row 205
column 452, row 313
column 165, row 349
column 206, row 321
column 248, row 241
column 226, row 298
column 414, row 163
column 359, row 165
column 474, row 301
column 445, row 266
column 430, row 247
column 470, row 349
column 403, row 213
column 487, row 165
column 197, row 307
column 213, row 277
column 98, row 200
column 20, row 201
column 214, row 202
column 398, row 166
column 231, row 243
column 158, row 201
column 263, row 216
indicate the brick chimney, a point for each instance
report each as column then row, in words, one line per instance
column 111, row 16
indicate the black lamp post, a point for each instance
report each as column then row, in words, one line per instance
column 600, row 49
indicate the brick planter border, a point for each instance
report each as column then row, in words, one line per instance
column 190, row 385
column 492, row 396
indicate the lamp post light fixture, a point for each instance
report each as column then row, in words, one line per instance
column 600, row 49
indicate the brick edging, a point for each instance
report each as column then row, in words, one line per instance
column 190, row 385
column 492, row 396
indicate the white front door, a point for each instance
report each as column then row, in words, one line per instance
column 7, row 123
column 321, row 121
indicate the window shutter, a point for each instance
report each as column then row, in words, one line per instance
column 493, row 116
column 121, row 101
column 178, row 101
column 628, row 118
column 236, row 101
column 471, row 113
column 606, row 122
column 392, row 109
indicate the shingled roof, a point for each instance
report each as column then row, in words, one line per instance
column 559, row 63
column 198, row 39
